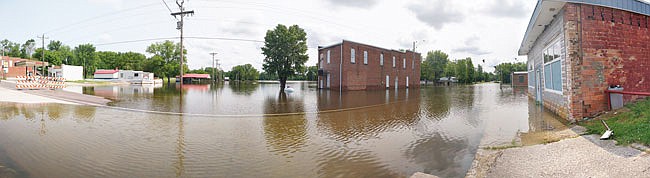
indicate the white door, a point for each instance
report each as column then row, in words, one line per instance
column 407, row 81
column 328, row 80
column 396, row 83
column 387, row 81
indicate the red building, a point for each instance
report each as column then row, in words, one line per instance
column 577, row 49
column 13, row 67
column 354, row 66
column 519, row 79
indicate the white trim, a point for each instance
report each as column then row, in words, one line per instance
column 553, row 91
column 353, row 56
column 328, row 56
column 365, row 57
column 544, row 64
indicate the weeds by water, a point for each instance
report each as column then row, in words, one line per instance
column 629, row 126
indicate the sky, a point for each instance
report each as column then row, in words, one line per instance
column 489, row 30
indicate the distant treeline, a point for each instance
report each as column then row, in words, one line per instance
column 437, row 65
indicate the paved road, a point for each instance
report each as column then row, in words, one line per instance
column 10, row 94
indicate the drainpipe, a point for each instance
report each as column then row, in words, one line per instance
column 341, row 69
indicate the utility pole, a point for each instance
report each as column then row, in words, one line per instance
column 179, row 26
column 43, row 38
column 214, row 66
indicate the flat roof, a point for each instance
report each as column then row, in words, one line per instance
column 329, row 46
column 519, row 72
column 545, row 10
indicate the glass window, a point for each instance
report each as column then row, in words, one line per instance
column 556, row 71
column 352, row 56
column 521, row 79
column 393, row 61
column 381, row 59
column 365, row 57
column 404, row 63
column 328, row 56
column 547, row 77
column 553, row 66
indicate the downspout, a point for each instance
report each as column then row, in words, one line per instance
column 341, row 69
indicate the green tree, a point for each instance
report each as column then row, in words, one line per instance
column 170, row 53
column 286, row 52
column 84, row 55
column 312, row 73
column 27, row 49
column 244, row 72
column 504, row 70
column 11, row 49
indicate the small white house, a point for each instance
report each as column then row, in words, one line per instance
column 106, row 74
column 67, row 71
column 135, row 75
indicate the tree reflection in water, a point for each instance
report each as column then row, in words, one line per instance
column 285, row 134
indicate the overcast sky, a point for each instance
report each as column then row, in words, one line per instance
column 487, row 29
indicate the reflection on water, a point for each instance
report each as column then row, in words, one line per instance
column 391, row 133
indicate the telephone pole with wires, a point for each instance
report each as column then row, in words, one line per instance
column 214, row 66
column 43, row 38
column 179, row 26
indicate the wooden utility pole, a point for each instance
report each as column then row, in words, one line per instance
column 179, row 26
column 214, row 66
column 43, row 38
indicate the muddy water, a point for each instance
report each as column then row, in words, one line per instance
column 240, row 131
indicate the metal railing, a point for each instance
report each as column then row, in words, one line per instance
column 609, row 92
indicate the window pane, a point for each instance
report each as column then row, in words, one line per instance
column 557, row 50
column 381, row 59
column 547, row 77
column 352, row 56
column 365, row 57
column 556, row 68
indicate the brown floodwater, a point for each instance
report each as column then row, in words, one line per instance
column 252, row 131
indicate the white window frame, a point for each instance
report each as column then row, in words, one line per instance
column 403, row 63
column 365, row 57
column 393, row 61
column 558, row 59
column 381, row 59
column 328, row 56
column 353, row 59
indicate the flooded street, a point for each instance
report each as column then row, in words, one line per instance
column 252, row 131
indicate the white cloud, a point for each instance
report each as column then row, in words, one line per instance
column 471, row 47
column 353, row 3
column 436, row 13
column 507, row 8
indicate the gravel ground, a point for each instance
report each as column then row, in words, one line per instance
column 584, row 156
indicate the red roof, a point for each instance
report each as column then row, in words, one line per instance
column 106, row 71
column 196, row 76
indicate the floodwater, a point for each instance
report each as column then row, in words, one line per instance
column 251, row 131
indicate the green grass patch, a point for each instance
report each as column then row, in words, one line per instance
column 629, row 127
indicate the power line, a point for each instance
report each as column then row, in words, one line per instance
column 170, row 10
column 99, row 16
column 173, row 38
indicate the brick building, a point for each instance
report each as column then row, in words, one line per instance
column 519, row 79
column 354, row 66
column 13, row 67
column 577, row 48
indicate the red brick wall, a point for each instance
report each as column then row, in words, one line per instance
column 614, row 50
column 516, row 82
column 371, row 76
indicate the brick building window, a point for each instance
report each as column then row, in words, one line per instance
column 393, row 61
column 553, row 66
column 381, row 59
column 521, row 79
column 365, row 57
column 352, row 56
column 413, row 64
column 404, row 63
column 328, row 56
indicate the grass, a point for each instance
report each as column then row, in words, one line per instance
column 630, row 125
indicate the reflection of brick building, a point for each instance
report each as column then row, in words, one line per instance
column 13, row 67
column 354, row 66
column 576, row 49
